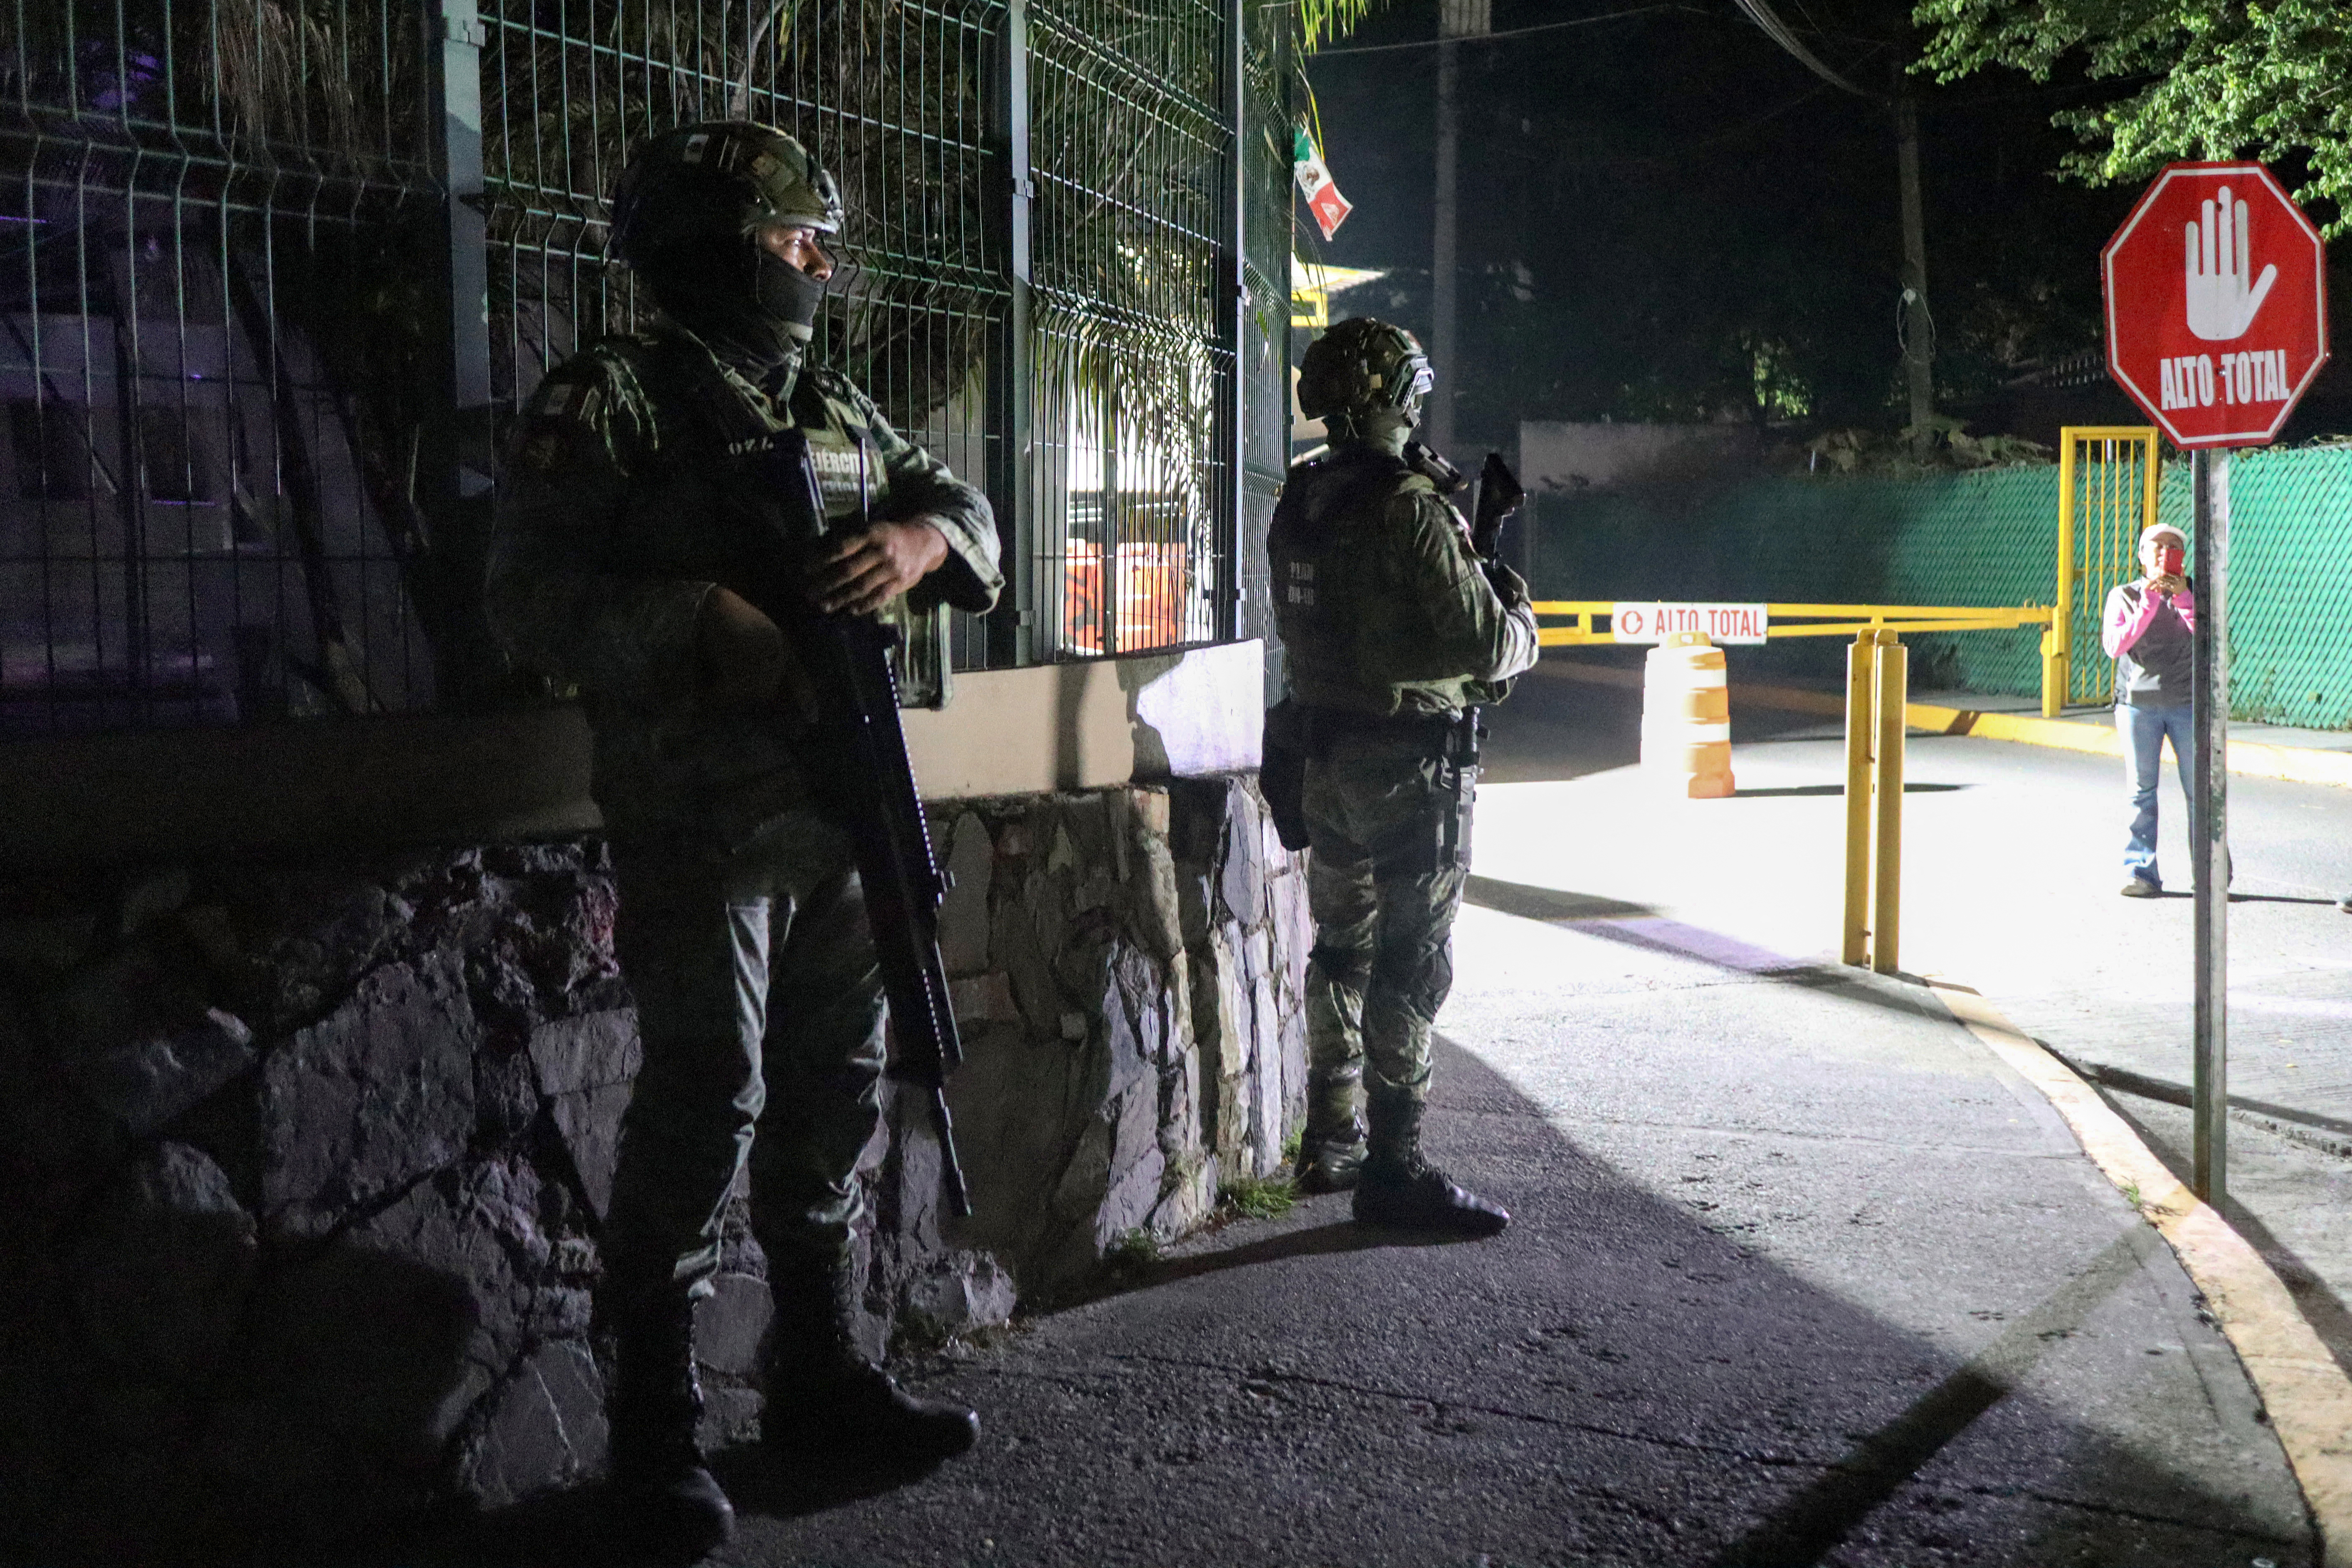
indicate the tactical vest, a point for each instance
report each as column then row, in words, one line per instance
column 1320, row 580
column 707, row 427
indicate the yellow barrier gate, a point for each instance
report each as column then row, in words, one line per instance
column 1837, row 620
column 2107, row 481
column 1878, row 681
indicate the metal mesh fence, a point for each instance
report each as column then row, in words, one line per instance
column 1988, row 538
column 1131, row 156
column 200, row 518
column 235, row 257
column 1120, row 364
column 886, row 94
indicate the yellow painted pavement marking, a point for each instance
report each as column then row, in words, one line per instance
column 2305, row 1393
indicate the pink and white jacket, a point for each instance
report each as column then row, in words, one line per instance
column 2149, row 637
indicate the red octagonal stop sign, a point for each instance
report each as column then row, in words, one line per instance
column 2217, row 304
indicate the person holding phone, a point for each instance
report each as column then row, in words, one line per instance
column 2146, row 629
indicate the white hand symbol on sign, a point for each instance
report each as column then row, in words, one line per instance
column 2222, row 305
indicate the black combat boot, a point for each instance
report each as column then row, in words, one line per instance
column 1398, row 1188
column 823, row 1397
column 1332, row 1149
column 673, row 1506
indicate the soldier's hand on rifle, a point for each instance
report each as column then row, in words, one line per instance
column 865, row 571
column 743, row 660
column 1508, row 585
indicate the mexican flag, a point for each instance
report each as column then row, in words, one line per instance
column 1323, row 198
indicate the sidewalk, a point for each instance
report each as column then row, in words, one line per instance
column 1801, row 1273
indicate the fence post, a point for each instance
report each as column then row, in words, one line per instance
column 2057, row 643
column 1860, row 731
column 1013, row 628
column 458, row 461
column 1235, row 323
column 1894, row 673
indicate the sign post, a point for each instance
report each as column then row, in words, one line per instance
column 2217, row 321
column 2208, row 824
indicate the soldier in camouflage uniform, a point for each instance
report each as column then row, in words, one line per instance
column 741, row 926
column 1394, row 633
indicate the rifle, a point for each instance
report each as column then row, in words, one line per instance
column 1499, row 495
column 871, row 787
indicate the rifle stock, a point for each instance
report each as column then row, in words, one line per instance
column 870, row 787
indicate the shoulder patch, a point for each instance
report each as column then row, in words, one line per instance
column 571, row 409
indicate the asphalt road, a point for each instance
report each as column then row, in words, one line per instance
column 2013, row 863
column 1800, row 1273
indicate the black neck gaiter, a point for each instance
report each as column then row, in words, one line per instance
column 753, row 310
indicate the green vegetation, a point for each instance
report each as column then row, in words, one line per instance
column 1321, row 21
column 1132, row 1249
column 2203, row 79
column 1259, row 1197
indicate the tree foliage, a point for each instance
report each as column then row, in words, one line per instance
column 2201, row 78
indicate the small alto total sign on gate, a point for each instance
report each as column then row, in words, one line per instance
column 1722, row 624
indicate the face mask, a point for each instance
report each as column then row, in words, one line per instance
column 752, row 308
column 787, row 296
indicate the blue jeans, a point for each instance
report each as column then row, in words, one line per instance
column 2143, row 731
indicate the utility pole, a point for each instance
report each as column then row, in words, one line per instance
column 1919, row 326
column 1455, row 19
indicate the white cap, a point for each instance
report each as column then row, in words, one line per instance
column 2153, row 529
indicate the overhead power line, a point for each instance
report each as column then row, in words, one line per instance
column 1513, row 33
column 1763, row 15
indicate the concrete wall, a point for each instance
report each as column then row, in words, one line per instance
column 481, row 778
column 307, row 1156
column 307, row 1149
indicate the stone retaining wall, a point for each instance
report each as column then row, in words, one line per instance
column 307, row 1161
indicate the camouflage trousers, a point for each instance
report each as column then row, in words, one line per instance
column 1383, row 890
column 761, row 1007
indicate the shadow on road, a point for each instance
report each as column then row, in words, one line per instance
column 1816, row 790
column 1620, row 1378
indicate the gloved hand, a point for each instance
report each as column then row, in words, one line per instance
column 1508, row 585
column 743, row 660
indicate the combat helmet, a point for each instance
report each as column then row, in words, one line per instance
column 1362, row 365
column 717, row 179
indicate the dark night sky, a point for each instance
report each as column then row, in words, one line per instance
column 1653, row 207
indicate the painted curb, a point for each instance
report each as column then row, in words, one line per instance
column 2305, row 1393
column 2254, row 759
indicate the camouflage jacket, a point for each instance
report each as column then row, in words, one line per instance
column 619, row 510
column 1382, row 606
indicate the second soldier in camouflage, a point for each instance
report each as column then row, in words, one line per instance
column 1394, row 634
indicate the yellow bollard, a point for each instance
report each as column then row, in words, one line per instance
column 1686, row 718
column 1877, row 686
column 1887, row 847
column 1860, row 742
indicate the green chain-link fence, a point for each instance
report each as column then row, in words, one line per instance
column 1986, row 538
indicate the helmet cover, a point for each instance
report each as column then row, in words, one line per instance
column 717, row 179
column 1362, row 365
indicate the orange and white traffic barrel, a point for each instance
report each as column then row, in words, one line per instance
column 1686, row 718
